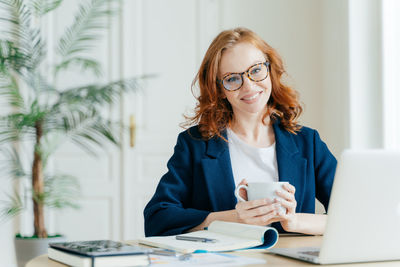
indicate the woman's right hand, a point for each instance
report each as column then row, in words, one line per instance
column 257, row 212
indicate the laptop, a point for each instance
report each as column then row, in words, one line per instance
column 364, row 212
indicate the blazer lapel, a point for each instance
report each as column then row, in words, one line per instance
column 218, row 175
column 218, row 170
column 291, row 165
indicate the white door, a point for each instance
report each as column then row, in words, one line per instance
column 167, row 39
column 99, row 216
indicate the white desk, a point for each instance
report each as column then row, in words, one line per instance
column 272, row 260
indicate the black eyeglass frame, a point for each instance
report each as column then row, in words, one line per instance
column 266, row 63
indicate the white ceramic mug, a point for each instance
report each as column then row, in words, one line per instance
column 259, row 190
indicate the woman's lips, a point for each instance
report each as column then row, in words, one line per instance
column 251, row 97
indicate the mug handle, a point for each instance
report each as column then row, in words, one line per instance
column 237, row 192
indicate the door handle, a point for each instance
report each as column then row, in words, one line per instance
column 132, row 130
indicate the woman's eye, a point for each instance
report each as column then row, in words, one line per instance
column 255, row 70
column 232, row 79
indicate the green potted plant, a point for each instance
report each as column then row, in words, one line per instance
column 41, row 116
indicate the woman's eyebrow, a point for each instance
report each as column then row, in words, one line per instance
column 252, row 64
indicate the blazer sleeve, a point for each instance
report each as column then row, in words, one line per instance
column 167, row 212
column 325, row 168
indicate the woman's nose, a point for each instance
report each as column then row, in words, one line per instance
column 247, row 83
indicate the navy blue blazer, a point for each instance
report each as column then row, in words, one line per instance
column 200, row 179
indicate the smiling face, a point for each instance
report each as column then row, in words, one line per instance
column 251, row 99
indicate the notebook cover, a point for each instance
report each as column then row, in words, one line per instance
column 99, row 248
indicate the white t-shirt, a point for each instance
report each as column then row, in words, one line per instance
column 253, row 163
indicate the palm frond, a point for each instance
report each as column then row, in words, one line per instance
column 82, row 35
column 12, row 207
column 61, row 191
column 39, row 86
column 18, row 126
column 39, row 90
column 78, row 115
column 84, row 145
column 11, row 165
column 88, row 129
column 10, row 93
column 97, row 132
column 16, row 18
column 11, row 57
column 50, row 143
column 11, row 13
column 15, row 126
column 10, row 135
column 41, row 7
column 94, row 95
column 83, row 63
column 80, row 123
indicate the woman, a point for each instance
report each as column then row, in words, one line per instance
column 246, row 131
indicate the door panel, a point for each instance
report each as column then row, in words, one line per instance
column 168, row 44
column 99, row 215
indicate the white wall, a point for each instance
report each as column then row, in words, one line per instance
column 335, row 75
column 391, row 67
column 352, row 113
column 365, row 72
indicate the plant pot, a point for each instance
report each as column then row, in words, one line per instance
column 27, row 248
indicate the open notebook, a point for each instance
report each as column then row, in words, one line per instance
column 219, row 236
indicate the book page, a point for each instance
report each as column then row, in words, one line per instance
column 229, row 236
column 223, row 242
column 240, row 230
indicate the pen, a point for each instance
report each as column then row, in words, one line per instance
column 195, row 239
column 164, row 252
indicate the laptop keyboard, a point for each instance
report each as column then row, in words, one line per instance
column 312, row 253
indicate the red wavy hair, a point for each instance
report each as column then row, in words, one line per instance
column 213, row 112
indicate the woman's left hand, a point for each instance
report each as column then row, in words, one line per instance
column 288, row 201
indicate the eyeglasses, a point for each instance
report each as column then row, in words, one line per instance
column 256, row 73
